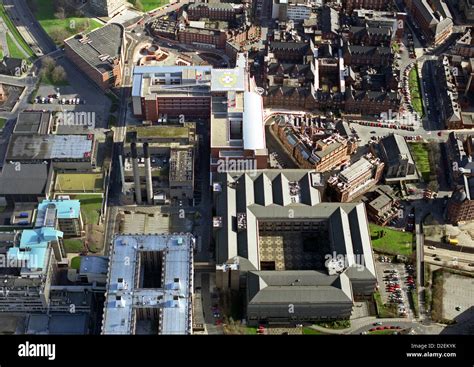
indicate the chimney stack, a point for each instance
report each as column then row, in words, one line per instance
column 149, row 183
column 136, row 174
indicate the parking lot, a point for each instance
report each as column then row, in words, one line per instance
column 78, row 87
column 458, row 297
column 393, row 285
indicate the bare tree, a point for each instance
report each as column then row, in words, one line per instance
column 59, row 34
column 58, row 75
column 48, row 63
column 60, row 13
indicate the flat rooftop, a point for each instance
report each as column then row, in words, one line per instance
column 181, row 165
column 223, row 80
column 356, row 169
column 99, row 47
column 125, row 296
column 32, row 123
column 162, row 131
column 43, row 147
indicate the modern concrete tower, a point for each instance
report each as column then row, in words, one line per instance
column 149, row 183
column 136, row 174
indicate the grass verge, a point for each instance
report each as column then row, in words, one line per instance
column 437, row 295
column 414, row 85
column 14, row 31
column 391, row 241
column 61, row 28
column 383, row 310
column 336, row 325
column 73, row 245
column 76, row 262
column 420, row 153
column 90, row 207
column 13, row 49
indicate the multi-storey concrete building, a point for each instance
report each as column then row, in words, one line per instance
column 164, row 162
column 276, row 240
column 30, row 273
column 227, row 97
column 171, row 90
column 65, row 152
column 153, row 295
column 64, row 215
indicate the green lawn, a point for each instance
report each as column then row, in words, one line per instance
column 414, row 85
column 393, row 242
column 383, row 332
column 14, row 31
column 14, row 50
column 73, row 245
column 90, row 207
column 421, row 156
column 75, row 262
column 336, row 325
column 60, row 29
column 78, row 182
column 309, row 331
column 2, row 122
column 153, row 4
column 1, row 54
column 395, row 47
column 383, row 311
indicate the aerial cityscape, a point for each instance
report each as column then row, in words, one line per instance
column 221, row 167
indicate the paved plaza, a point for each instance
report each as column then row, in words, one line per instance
column 287, row 251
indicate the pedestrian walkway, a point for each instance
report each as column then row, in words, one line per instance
column 3, row 38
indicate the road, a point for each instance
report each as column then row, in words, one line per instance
column 364, row 324
column 29, row 27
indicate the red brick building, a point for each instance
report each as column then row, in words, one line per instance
column 350, row 5
column 190, row 35
column 367, row 55
column 99, row 54
column 217, row 11
column 370, row 102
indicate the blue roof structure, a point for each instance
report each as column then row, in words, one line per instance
column 65, row 208
column 33, row 247
column 61, row 209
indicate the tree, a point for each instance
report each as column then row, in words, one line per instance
column 58, row 34
column 48, row 63
column 60, row 13
column 58, row 75
column 433, row 185
column 137, row 4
